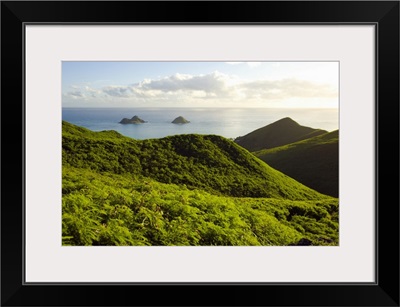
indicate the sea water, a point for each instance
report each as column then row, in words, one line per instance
column 227, row 122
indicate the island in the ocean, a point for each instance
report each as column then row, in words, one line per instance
column 133, row 120
column 180, row 120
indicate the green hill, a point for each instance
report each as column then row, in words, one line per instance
column 183, row 190
column 281, row 132
column 313, row 162
column 208, row 162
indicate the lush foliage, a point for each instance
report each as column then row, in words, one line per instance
column 313, row 162
column 183, row 190
column 109, row 209
column 209, row 162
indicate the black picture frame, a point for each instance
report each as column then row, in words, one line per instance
column 383, row 14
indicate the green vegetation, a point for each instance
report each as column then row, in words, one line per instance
column 109, row 209
column 183, row 190
column 281, row 132
column 310, row 156
column 313, row 162
column 211, row 163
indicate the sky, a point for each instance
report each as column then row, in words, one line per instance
column 200, row 84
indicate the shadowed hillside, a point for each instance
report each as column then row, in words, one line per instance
column 281, row 132
column 313, row 162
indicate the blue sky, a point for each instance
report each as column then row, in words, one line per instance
column 200, row 84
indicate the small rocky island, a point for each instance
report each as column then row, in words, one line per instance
column 133, row 120
column 180, row 120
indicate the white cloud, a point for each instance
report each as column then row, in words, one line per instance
column 213, row 88
column 76, row 94
column 211, row 83
column 118, row 91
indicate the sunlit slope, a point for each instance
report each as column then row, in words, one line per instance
column 110, row 209
column 281, row 132
column 207, row 162
column 313, row 162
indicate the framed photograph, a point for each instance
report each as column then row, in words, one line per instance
column 237, row 154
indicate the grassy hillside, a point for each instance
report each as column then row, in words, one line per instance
column 281, row 132
column 110, row 209
column 313, row 162
column 183, row 190
column 211, row 163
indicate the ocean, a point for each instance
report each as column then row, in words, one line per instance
column 227, row 122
